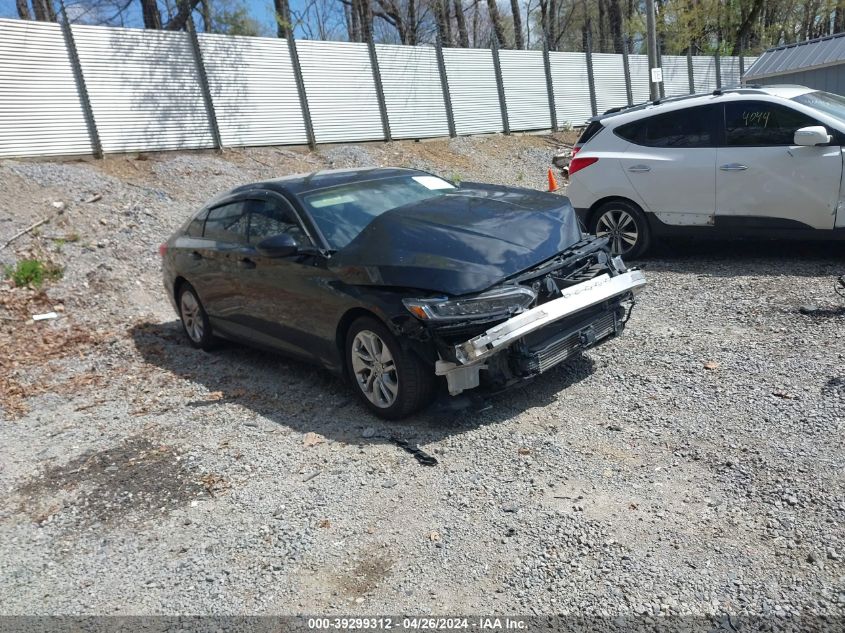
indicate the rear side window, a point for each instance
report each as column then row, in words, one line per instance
column 227, row 223
column 591, row 130
column 195, row 227
column 760, row 123
column 690, row 127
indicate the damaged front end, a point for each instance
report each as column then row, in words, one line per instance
column 533, row 321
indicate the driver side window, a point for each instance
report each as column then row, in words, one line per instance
column 270, row 217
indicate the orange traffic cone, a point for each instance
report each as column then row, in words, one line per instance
column 552, row 181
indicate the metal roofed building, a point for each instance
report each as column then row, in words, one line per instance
column 818, row 64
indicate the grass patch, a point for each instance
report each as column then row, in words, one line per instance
column 32, row 273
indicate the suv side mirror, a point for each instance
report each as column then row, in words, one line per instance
column 283, row 245
column 812, row 135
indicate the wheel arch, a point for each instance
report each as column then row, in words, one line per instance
column 602, row 201
column 178, row 282
column 349, row 317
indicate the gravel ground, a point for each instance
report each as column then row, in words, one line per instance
column 693, row 466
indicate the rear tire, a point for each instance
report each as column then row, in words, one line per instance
column 391, row 382
column 625, row 225
column 195, row 321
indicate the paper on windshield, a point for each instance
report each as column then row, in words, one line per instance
column 433, row 182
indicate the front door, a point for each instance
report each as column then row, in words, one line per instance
column 764, row 180
column 281, row 296
column 671, row 164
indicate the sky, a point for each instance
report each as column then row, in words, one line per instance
column 261, row 10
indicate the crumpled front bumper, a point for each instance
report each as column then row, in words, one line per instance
column 472, row 353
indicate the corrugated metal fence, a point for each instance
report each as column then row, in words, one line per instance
column 89, row 89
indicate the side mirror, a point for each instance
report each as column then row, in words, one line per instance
column 283, row 245
column 812, row 135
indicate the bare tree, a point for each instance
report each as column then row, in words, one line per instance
column 518, row 40
column 43, row 10
column 460, row 19
column 614, row 18
column 23, row 10
column 152, row 16
column 498, row 24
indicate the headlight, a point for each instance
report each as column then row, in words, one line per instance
column 500, row 301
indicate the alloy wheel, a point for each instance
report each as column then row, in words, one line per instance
column 192, row 316
column 374, row 369
column 621, row 228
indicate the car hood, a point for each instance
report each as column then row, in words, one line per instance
column 461, row 242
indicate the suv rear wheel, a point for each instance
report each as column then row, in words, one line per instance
column 625, row 225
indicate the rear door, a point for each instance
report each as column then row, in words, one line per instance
column 764, row 180
column 671, row 163
column 225, row 235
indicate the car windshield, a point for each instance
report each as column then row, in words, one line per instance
column 342, row 212
column 831, row 104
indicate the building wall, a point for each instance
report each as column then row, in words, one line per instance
column 829, row 79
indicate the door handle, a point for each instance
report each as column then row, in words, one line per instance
column 246, row 262
column 638, row 169
column 733, row 167
column 196, row 255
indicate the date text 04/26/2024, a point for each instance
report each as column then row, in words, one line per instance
column 484, row 623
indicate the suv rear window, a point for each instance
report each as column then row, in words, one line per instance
column 591, row 130
column 690, row 127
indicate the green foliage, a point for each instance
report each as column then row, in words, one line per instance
column 455, row 178
column 234, row 19
column 32, row 272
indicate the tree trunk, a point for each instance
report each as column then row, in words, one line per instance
column 518, row 41
column 460, row 18
column 23, row 10
column 602, row 31
column 441, row 17
column 747, row 24
column 498, row 27
column 282, row 18
column 614, row 17
column 152, row 16
column 179, row 21
column 412, row 22
column 206, row 15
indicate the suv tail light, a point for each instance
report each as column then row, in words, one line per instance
column 577, row 164
column 162, row 249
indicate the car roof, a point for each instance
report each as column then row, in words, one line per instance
column 634, row 112
column 302, row 183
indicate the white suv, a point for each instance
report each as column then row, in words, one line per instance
column 756, row 161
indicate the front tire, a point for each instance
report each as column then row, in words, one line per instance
column 195, row 321
column 625, row 225
column 391, row 382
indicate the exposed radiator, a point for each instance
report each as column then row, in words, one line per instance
column 558, row 348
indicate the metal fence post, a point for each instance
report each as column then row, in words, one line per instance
column 81, row 88
column 382, row 104
column 300, row 89
column 444, row 86
column 718, row 71
column 626, row 67
column 204, row 86
column 690, row 74
column 662, row 84
column 550, row 88
column 591, row 80
column 500, row 86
